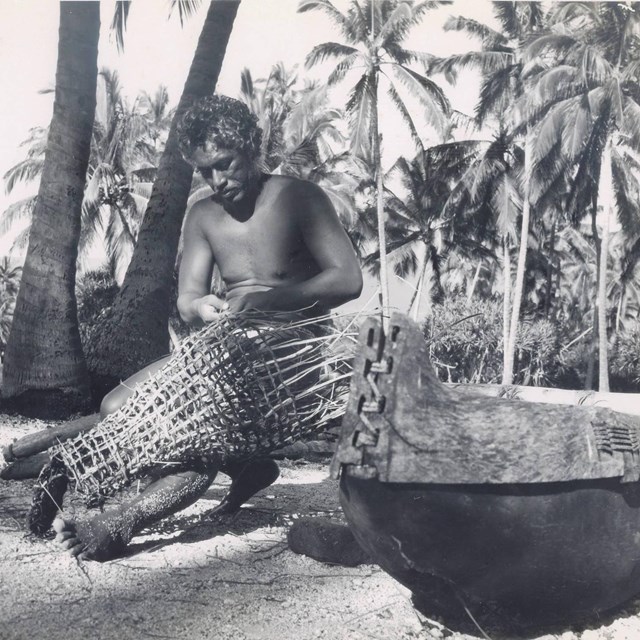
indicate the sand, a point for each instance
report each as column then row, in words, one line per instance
column 191, row 579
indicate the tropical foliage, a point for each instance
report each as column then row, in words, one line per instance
column 126, row 145
column 374, row 31
column 518, row 225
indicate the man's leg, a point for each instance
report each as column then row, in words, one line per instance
column 107, row 535
column 247, row 478
column 118, row 396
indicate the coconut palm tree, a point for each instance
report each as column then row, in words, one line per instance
column 138, row 329
column 44, row 368
column 427, row 218
column 125, row 155
column 125, row 150
column 500, row 62
column 374, row 31
column 301, row 136
column 585, row 96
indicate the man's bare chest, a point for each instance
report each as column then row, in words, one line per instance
column 270, row 233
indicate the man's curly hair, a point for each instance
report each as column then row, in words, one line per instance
column 224, row 121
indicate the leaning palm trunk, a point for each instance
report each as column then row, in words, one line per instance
column 382, row 241
column 138, row 331
column 416, row 298
column 506, row 274
column 241, row 387
column 606, row 193
column 44, row 369
column 507, row 376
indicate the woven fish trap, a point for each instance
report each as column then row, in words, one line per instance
column 240, row 387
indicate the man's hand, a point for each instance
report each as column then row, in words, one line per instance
column 208, row 307
column 256, row 301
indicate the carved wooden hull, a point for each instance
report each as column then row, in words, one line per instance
column 514, row 555
column 520, row 514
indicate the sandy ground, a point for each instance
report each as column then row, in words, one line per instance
column 188, row 579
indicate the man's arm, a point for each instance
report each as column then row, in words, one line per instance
column 340, row 277
column 194, row 301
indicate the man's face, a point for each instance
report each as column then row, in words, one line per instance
column 227, row 171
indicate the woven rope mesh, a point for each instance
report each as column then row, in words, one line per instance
column 235, row 389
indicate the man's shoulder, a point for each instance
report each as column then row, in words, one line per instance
column 203, row 208
column 294, row 186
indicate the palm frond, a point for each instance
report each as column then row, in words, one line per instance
column 327, row 50
column 552, row 43
column 552, row 129
column 92, row 223
column 393, row 25
column 408, row 56
column 348, row 27
column 405, row 115
column 360, row 105
column 119, row 21
column 21, row 241
column 560, row 83
column 21, row 211
column 630, row 262
column 186, row 9
column 488, row 36
column 583, row 192
column 632, row 123
column 486, row 62
column 627, row 195
column 343, row 67
column 24, row 171
column 519, row 18
column 576, row 127
column 433, row 99
column 594, row 66
column 572, row 12
column 497, row 93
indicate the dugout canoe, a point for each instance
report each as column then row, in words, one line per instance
column 517, row 514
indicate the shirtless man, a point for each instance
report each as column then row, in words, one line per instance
column 279, row 246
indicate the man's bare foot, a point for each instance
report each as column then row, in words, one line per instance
column 246, row 480
column 47, row 498
column 95, row 539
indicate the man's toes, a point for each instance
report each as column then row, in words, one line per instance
column 79, row 551
column 63, row 536
column 69, row 543
column 60, row 524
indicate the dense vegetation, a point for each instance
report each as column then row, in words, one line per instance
column 524, row 215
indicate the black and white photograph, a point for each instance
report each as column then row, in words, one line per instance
column 319, row 319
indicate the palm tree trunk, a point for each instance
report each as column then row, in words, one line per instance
column 550, row 257
column 605, row 191
column 522, row 258
column 138, row 331
column 506, row 270
column 417, row 296
column 474, row 282
column 44, row 369
column 382, row 242
column 619, row 310
column 593, row 346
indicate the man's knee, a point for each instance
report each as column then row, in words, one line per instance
column 112, row 402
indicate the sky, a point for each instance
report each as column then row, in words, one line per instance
column 158, row 50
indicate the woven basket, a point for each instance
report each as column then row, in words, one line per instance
column 238, row 388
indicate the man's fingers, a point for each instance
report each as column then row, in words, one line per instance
column 208, row 313
column 212, row 301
